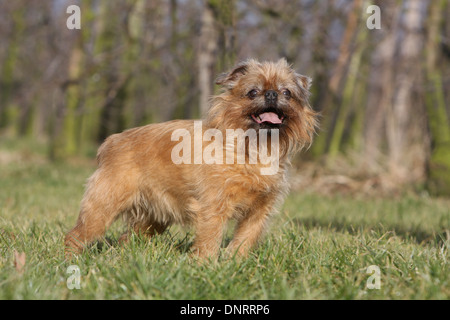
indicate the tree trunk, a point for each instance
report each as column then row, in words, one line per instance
column 406, row 126
column 207, row 56
column 380, row 89
column 439, row 163
column 333, row 96
column 9, row 65
column 73, row 100
column 354, row 57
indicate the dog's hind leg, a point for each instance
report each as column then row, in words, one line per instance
column 102, row 203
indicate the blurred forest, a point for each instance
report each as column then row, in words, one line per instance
column 383, row 95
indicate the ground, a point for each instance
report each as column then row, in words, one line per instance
column 318, row 247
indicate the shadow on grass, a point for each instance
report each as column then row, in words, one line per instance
column 416, row 234
column 181, row 244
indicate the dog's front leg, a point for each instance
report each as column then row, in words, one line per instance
column 209, row 233
column 250, row 228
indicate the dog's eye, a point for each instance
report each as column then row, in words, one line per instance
column 287, row 93
column 252, row 94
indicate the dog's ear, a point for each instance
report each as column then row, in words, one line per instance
column 303, row 82
column 229, row 79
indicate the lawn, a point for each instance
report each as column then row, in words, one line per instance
column 318, row 247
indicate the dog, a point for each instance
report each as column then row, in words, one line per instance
column 142, row 177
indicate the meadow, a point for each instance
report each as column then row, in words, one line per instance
column 318, row 246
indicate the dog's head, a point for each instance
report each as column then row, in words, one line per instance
column 265, row 95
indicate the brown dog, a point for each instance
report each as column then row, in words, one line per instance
column 150, row 178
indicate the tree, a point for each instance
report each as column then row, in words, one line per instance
column 438, row 119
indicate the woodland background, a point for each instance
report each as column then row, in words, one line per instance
column 383, row 95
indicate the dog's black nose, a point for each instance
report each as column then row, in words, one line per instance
column 271, row 96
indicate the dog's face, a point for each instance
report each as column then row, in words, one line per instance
column 265, row 96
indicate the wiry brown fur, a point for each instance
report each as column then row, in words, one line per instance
column 137, row 179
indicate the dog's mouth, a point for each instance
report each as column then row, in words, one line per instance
column 269, row 117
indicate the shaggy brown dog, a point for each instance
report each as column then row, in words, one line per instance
column 140, row 175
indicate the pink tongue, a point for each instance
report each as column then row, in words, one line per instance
column 269, row 117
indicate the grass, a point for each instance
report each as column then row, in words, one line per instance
column 318, row 247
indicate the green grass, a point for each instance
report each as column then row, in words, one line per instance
column 318, row 247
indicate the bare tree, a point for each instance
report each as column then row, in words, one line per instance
column 406, row 115
column 207, row 55
column 380, row 84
